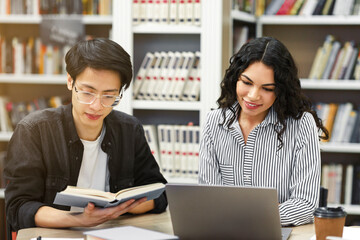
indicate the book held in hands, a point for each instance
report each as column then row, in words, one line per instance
column 80, row 197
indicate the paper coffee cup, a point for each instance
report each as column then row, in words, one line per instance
column 329, row 222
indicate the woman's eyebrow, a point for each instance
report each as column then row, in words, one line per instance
column 266, row 84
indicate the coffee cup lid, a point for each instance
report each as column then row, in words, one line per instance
column 326, row 212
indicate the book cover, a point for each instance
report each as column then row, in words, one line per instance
column 80, row 197
column 319, row 7
column 164, row 70
column 162, row 147
column 149, row 76
column 192, row 81
column 140, row 76
column 348, row 184
column 183, row 75
column 197, row 12
column 330, row 118
column 331, row 61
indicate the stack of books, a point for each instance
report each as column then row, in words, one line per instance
column 333, row 61
column 171, row 76
column 312, row 7
column 176, row 148
column 167, row 12
column 341, row 120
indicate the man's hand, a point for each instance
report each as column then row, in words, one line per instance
column 92, row 216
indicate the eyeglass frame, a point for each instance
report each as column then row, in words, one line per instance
column 116, row 101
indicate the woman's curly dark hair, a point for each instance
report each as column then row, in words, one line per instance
column 290, row 101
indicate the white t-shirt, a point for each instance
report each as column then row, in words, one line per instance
column 94, row 172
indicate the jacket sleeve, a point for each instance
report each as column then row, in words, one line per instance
column 25, row 176
column 146, row 168
column 305, row 179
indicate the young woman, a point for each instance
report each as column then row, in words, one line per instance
column 265, row 133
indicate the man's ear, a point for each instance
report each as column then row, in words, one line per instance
column 69, row 82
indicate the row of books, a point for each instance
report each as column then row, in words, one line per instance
column 310, row 7
column 35, row 7
column 244, row 5
column 333, row 61
column 341, row 120
column 168, row 76
column 30, row 56
column 342, row 182
column 12, row 112
column 176, row 148
column 167, row 11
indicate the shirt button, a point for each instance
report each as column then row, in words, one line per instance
column 247, row 177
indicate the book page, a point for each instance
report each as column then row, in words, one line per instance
column 89, row 192
column 137, row 190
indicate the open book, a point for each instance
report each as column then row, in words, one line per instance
column 79, row 197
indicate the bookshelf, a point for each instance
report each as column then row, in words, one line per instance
column 211, row 38
column 303, row 35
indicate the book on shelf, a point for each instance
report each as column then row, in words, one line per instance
column 80, row 197
column 312, row 7
column 151, row 138
column 141, row 74
column 332, row 180
column 154, row 74
column 348, row 184
column 331, row 61
column 297, row 7
column 182, row 75
column 171, row 71
column 192, row 86
column 321, row 58
column 179, row 150
column 319, row 7
column 149, row 76
column 5, row 122
column 162, row 77
column 167, row 12
column 328, row 7
column 273, row 7
column 127, row 232
column 286, row 7
column 171, row 76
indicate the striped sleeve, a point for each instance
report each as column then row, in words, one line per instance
column 209, row 171
column 305, row 177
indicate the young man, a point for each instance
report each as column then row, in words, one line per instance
column 85, row 143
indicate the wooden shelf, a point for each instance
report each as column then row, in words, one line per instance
column 330, row 84
column 242, row 16
column 340, row 147
column 166, row 29
column 349, row 209
column 309, row 20
column 33, row 79
column 5, row 136
column 36, row 19
column 166, row 105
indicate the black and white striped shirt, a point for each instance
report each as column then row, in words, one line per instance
column 294, row 170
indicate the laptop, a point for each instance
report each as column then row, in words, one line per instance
column 224, row 212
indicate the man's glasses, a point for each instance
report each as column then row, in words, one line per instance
column 105, row 100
